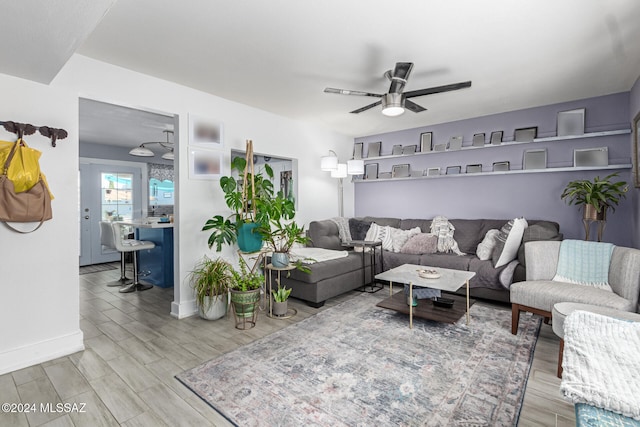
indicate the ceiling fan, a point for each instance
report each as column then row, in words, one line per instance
column 395, row 101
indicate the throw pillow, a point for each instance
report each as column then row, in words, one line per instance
column 423, row 243
column 400, row 237
column 380, row 233
column 358, row 228
column 343, row 228
column 508, row 242
column 485, row 248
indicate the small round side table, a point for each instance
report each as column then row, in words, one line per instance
column 290, row 310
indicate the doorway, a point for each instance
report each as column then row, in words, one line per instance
column 107, row 193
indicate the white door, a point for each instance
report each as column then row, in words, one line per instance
column 107, row 193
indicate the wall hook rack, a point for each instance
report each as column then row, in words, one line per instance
column 22, row 129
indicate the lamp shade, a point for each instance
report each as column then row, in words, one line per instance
column 355, row 167
column 330, row 162
column 141, row 151
column 169, row 156
column 340, row 172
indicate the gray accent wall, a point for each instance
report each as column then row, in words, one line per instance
column 532, row 195
column 634, row 109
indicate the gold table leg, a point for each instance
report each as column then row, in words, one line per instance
column 410, row 305
column 390, row 288
column 468, row 319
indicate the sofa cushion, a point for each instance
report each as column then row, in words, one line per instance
column 485, row 248
column 399, row 237
column 452, row 261
column 359, row 228
column 509, row 241
column 382, row 234
column 325, row 234
column 423, row 243
column 538, row 230
column 423, row 224
column 331, row 268
column 391, row 222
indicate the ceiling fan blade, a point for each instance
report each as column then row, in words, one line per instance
column 350, row 92
column 400, row 76
column 412, row 106
column 365, row 108
column 437, row 89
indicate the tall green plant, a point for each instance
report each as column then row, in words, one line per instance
column 224, row 230
column 599, row 193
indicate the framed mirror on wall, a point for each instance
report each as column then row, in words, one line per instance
column 636, row 150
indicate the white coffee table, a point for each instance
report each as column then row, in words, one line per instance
column 407, row 274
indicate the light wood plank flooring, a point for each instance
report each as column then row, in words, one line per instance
column 125, row 376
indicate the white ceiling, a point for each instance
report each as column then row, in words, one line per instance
column 279, row 55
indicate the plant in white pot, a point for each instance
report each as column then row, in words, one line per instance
column 211, row 280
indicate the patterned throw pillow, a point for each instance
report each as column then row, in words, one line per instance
column 423, row 243
column 508, row 242
column 400, row 237
column 485, row 248
column 380, row 233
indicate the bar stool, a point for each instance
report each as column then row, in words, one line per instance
column 107, row 240
column 133, row 246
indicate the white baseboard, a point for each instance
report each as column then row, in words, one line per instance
column 184, row 309
column 40, row 352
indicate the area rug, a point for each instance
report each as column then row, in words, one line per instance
column 358, row 364
column 96, row 268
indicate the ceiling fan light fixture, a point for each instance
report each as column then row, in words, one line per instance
column 141, row 151
column 392, row 104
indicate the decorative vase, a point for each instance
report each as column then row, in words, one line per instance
column 279, row 308
column 249, row 240
column 280, row 259
column 217, row 308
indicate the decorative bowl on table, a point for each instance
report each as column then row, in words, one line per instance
column 429, row 274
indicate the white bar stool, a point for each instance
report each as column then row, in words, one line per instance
column 133, row 246
column 107, row 240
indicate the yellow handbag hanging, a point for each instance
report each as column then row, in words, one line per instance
column 24, row 169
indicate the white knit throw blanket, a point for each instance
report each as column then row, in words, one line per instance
column 601, row 362
column 441, row 227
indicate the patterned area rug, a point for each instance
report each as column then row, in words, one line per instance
column 96, row 268
column 358, row 364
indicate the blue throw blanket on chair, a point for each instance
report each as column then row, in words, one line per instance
column 584, row 263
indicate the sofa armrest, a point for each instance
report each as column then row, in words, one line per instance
column 624, row 273
column 542, row 259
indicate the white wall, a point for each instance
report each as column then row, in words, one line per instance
column 40, row 311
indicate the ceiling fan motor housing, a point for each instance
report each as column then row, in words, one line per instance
column 392, row 104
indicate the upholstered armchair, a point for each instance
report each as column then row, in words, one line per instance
column 539, row 292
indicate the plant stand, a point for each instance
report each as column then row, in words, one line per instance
column 269, row 270
column 245, row 308
column 587, row 225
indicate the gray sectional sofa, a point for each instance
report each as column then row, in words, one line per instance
column 334, row 277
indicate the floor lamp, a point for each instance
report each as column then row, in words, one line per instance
column 341, row 171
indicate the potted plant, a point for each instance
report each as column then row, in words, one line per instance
column 596, row 196
column 280, row 298
column 245, row 294
column 279, row 233
column 247, row 199
column 211, row 280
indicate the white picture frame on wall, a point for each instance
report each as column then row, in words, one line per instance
column 205, row 164
column 205, row 132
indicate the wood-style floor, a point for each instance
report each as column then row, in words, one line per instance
column 125, row 376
